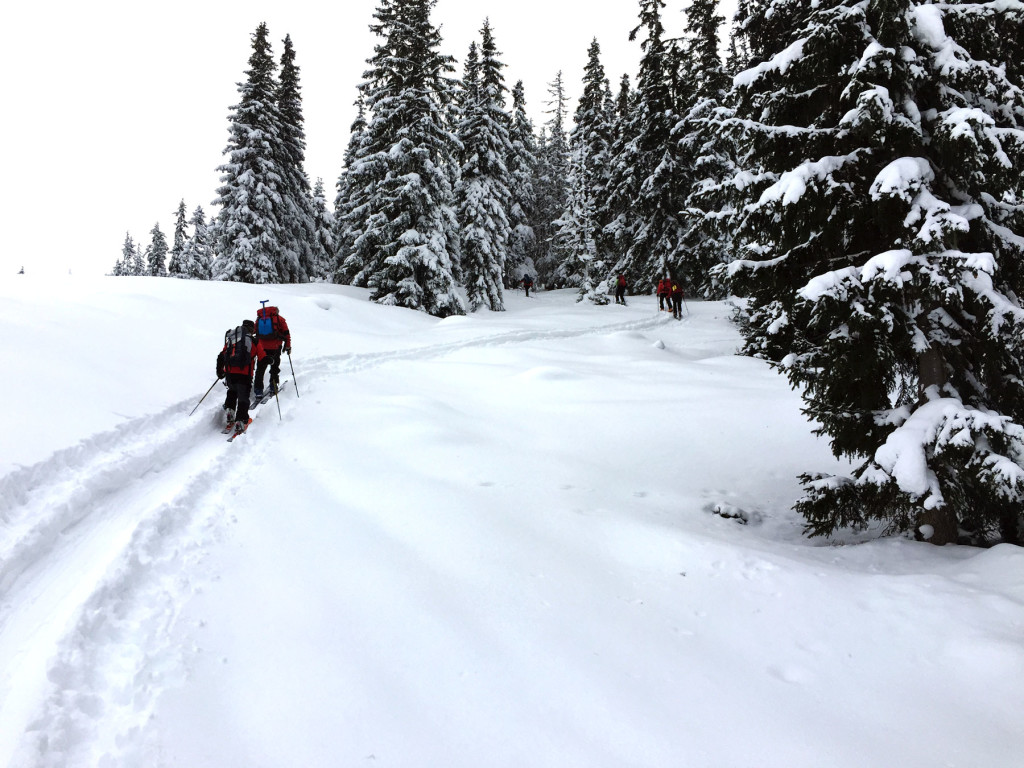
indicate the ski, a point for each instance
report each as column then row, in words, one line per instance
column 268, row 394
column 236, row 434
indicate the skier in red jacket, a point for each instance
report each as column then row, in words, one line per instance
column 235, row 365
column 664, row 291
column 272, row 332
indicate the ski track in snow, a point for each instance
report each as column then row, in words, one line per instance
column 126, row 516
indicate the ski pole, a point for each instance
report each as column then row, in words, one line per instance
column 294, row 380
column 278, row 399
column 204, row 396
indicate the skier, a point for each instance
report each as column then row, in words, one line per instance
column 272, row 332
column 620, row 289
column 234, row 365
column 677, row 299
column 527, row 284
column 664, row 293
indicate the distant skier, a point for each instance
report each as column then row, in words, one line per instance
column 235, row 365
column 620, row 289
column 527, row 284
column 677, row 299
column 664, row 294
column 272, row 332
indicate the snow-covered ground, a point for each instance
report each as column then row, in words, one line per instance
column 485, row 541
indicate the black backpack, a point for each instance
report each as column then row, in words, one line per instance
column 237, row 348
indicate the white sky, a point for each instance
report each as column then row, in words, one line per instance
column 115, row 111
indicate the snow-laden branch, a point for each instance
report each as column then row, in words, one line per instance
column 780, row 62
column 938, row 425
column 792, row 184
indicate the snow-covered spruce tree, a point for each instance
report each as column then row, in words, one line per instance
column 138, row 262
column 585, row 259
column 577, row 235
column 407, row 229
column 126, row 264
column 885, row 261
column 299, row 254
column 197, row 255
column 356, row 185
column 552, row 183
column 175, row 267
column 484, row 190
column 704, row 152
column 249, row 226
column 323, row 229
column 156, row 254
column 645, row 192
column 522, row 166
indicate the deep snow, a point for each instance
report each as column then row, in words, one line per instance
column 480, row 541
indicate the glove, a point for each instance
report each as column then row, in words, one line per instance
column 288, row 349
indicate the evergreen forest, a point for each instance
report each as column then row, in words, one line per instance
column 848, row 174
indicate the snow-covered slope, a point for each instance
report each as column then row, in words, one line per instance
column 482, row 541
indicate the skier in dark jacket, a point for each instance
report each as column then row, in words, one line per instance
column 527, row 284
column 677, row 299
column 235, row 365
column 272, row 332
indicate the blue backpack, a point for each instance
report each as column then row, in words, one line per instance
column 266, row 328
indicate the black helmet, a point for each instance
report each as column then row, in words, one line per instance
column 249, row 326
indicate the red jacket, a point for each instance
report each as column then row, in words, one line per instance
column 257, row 353
column 677, row 289
column 280, row 336
column 664, row 287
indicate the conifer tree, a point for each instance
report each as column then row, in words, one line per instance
column 300, row 251
column 323, row 224
column 483, row 193
column 522, row 166
column 408, row 228
column 138, row 262
column 705, row 154
column 645, row 191
column 249, row 225
column 585, row 257
column 126, row 264
column 552, row 183
column 156, row 255
column 176, row 267
column 881, row 232
column 197, row 255
column 356, row 185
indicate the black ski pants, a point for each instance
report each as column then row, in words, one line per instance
column 239, row 392
column 273, row 359
column 677, row 307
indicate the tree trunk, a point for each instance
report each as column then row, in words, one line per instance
column 941, row 521
column 931, row 371
column 942, row 524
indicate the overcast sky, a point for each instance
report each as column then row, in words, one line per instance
column 115, row 111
